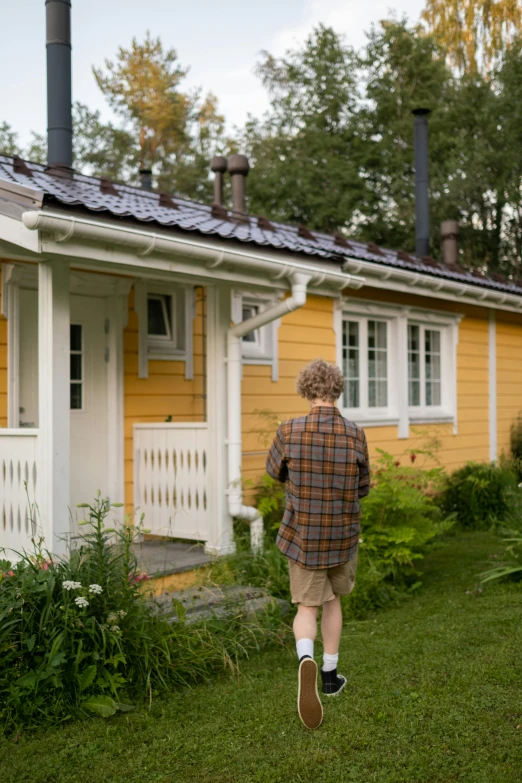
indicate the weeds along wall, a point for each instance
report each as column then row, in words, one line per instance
column 165, row 393
column 3, row 363
column 309, row 333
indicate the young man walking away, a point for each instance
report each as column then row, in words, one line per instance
column 323, row 458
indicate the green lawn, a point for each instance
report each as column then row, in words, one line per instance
column 434, row 695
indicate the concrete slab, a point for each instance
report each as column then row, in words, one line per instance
column 159, row 558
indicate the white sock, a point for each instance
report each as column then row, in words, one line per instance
column 330, row 662
column 305, row 647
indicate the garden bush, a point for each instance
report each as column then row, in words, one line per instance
column 400, row 519
column 482, row 495
column 516, row 439
column 78, row 635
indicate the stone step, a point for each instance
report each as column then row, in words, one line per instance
column 197, row 604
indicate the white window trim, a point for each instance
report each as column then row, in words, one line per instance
column 398, row 411
column 265, row 350
column 158, row 348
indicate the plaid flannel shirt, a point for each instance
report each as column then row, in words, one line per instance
column 323, row 458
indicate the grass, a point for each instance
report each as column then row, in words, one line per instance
column 434, row 696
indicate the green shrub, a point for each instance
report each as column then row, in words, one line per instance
column 511, row 568
column 78, row 635
column 399, row 520
column 481, row 495
column 516, row 438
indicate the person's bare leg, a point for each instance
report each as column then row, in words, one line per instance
column 332, row 625
column 305, row 623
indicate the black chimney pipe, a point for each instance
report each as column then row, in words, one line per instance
column 422, row 208
column 146, row 179
column 59, row 108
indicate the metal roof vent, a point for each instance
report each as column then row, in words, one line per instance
column 238, row 169
column 218, row 164
column 422, row 209
column 59, row 106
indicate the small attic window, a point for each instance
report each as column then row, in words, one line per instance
column 159, row 309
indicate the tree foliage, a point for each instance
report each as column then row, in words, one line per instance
column 474, row 33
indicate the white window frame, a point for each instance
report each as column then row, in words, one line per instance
column 264, row 349
column 81, row 382
column 375, row 416
column 179, row 345
column 446, row 411
column 398, row 412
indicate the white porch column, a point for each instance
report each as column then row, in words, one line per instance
column 54, row 402
column 221, row 540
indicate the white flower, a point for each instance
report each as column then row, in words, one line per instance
column 115, row 628
column 360, row 541
column 71, row 585
column 81, row 602
column 96, row 589
column 520, row 485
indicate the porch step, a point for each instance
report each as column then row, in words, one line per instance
column 204, row 603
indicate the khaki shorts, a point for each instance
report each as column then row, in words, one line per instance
column 314, row 587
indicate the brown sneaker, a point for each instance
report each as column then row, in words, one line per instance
column 309, row 705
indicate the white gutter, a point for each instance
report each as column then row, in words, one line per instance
column 235, row 334
column 404, row 281
column 64, row 228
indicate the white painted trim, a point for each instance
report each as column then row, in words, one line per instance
column 401, row 364
column 11, row 311
column 189, row 316
column 54, row 398
column 171, row 425
column 267, row 353
column 492, row 371
column 221, row 540
column 116, row 310
column 140, row 308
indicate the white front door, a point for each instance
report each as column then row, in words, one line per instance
column 88, row 392
column 88, row 396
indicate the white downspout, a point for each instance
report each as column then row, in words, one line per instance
column 234, row 441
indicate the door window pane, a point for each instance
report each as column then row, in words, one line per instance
column 76, row 363
column 377, row 364
column 351, row 353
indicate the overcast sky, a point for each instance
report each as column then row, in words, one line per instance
column 220, row 41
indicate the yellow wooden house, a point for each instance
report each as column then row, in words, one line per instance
column 148, row 346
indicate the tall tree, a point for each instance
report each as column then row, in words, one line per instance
column 302, row 151
column 8, row 140
column 474, row 33
column 142, row 86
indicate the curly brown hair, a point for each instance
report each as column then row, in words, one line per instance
column 320, row 380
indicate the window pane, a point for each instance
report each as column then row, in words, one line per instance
column 377, row 364
column 414, row 365
column 350, row 368
column 159, row 316
column 433, row 366
column 249, row 311
column 76, row 367
column 76, row 396
column 76, row 337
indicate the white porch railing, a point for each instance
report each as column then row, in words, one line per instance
column 18, row 488
column 171, row 479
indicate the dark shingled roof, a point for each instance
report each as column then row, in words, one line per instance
column 102, row 196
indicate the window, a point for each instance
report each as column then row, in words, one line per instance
column 365, row 359
column 424, row 366
column 76, row 371
column 165, row 325
column 399, row 363
column 260, row 345
column 252, row 338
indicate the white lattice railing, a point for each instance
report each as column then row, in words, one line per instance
column 171, row 477
column 18, row 482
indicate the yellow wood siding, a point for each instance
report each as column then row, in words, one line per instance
column 3, row 363
column 165, row 392
column 509, row 376
column 308, row 333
